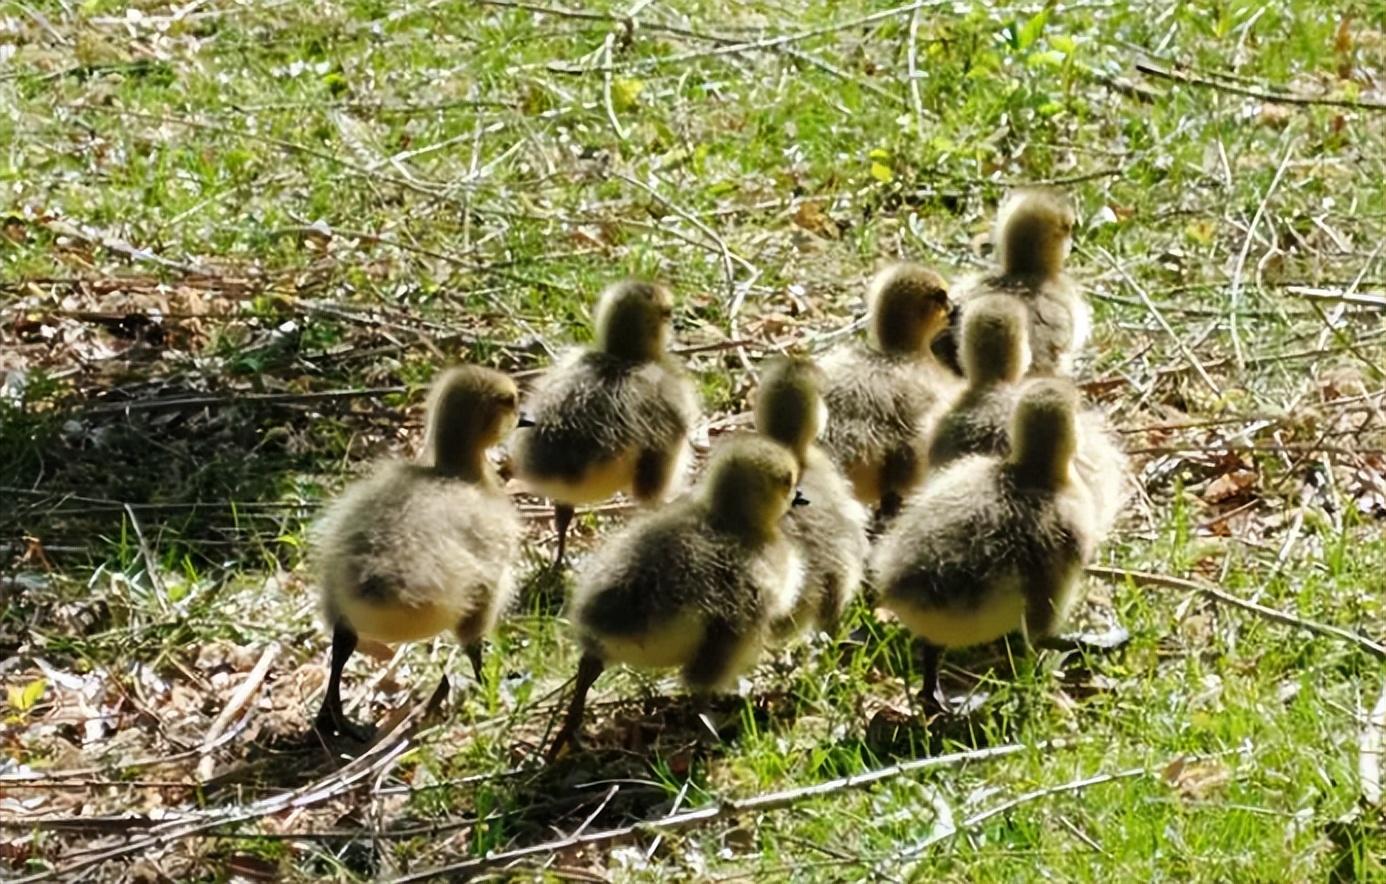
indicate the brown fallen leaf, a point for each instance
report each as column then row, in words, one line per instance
column 811, row 217
column 1228, row 486
column 1196, row 780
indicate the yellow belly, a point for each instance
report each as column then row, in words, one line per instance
column 998, row 613
column 671, row 644
column 597, row 483
column 399, row 623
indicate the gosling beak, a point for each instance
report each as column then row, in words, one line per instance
column 799, row 498
column 524, row 421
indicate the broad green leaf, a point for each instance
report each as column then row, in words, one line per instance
column 22, row 699
column 1031, row 30
column 625, row 93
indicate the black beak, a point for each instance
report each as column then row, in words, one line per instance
column 524, row 421
column 799, row 498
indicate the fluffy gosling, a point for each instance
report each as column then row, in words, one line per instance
column 879, row 396
column 995, row 354
column 992, row 545
column 420, row 548
column 697, row 584
column 831, row 533
column 1033, row 236
column 615, row 417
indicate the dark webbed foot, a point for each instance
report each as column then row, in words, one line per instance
column 331, row 717
column 330, row 726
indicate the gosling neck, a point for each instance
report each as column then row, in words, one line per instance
column 459, row 454
column 732, row 518
column 1040, row 470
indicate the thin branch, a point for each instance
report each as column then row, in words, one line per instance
column 187, row 402
column 1236, row 295
column 240, row 698
column 720, row 810
column 1145, row 578
column 391, row 745
column 1141, row 293
column 1370, row 748
column 1152, row 70
column 764, row 42
column 977, row 819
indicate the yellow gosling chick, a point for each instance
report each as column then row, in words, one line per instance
column 995, row 354
column 991, row 545
column 1033, row 236
column 696, row 585
column 880, row 396
column 831, row 532
column 615, row 417
column 420, row 548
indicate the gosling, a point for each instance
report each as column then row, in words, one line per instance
column 995, row 355
column 420, row 548
column 992, row 545
column 880, row 396
column 831, row 533
column 1033, row 236
column 612, row 418
column 696, row 585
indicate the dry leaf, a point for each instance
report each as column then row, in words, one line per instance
column 1238, row 483
column 812, row 218
column 1196, row 780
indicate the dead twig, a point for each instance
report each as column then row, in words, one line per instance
column 1146, row 578
column 1235, row 298
column 1153, row 70
column 977, row 819
column 186, row 402
column 391, row 745
column 1141, row 293
column 720, row 810
column 243, row 694
column 1370, row 748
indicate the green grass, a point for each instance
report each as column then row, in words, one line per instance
column 218, row 140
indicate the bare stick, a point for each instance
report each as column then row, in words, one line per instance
column 1371, row 746
column 247, row 689
column 729, row 807
column 1160, row 318
column 1145, row 578
column 912, row 56
column 977, row 819
column 765, row 42
column 151, row 566
column 1151, row 70
column 383, row 753
column 184, row 402
column 1236, row 296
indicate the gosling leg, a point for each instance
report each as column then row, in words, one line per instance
column 473, row 650
column 331, row 717
column 562, row 518
column 589, row 669
column 932, row 698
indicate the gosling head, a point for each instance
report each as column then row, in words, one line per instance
column 789, row 404
column 995, row 342
column 909, row 307
column 633, row 319
column 1044, row 435
column 750, row 485
column 1034, row 233
column 470, row 409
